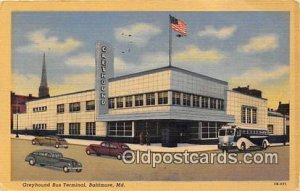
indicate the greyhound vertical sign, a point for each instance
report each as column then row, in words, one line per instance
column 104, row 70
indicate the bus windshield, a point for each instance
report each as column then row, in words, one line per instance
column 230, row 132
column 223, row 132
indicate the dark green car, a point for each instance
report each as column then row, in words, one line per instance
column 53, row 159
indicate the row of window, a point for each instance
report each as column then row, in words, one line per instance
column 120, row 129
column 248, row 115
column 42, row 126
column 197, row 101
column 74, row 128
column 178, row 98
column 39, row 109
column 250, row 131
column 75, row 107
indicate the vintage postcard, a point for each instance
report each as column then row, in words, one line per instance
column 133, row 95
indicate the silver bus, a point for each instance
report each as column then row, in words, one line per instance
column 242, row 138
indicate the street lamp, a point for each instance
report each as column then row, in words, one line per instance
column 17, row 133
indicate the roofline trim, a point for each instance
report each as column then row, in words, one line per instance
column 174, row 68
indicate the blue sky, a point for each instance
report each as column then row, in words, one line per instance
column 243, row 48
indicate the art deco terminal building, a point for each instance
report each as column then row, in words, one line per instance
column 187, row 106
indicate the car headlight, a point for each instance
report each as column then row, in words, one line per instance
column 69, row 164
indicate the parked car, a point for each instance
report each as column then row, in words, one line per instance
column 107, row 148
column 53, row 159
column 50, row 141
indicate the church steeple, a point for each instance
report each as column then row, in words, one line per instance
column 43, row 89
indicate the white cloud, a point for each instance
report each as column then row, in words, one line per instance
column 221, row 33
column 262, row 43
column 154, row 60
column 275, row 90
column 81, row 60
column 194, row 54
column 255, row 76
column 41, row 42
column 25, row 84
column 140, row 33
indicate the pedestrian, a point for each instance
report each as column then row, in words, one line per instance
column 147, row 138
column 142, row 138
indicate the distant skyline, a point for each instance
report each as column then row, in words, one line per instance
column 243, row 48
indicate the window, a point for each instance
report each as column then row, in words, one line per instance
column 139, row 100
column 204, row 102
column 60, row 108
column 248, row 115
column 120, row 129
column 186, row 99
column 150, row 99
column 74, row 129
column 36, row 109
column 162, row 97
column 128, row 101
column 33, row 126
column 111, row 103
column 90, row 105
column 119, row 102
column 209, row 130
column 176, row 98
column 73, row 107
column 90, row 128
column 60, row 128
column 221, row 104
column 196, row 102
column 213, row 103
column 271, row 129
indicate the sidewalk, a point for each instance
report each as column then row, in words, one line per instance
column 154, row 147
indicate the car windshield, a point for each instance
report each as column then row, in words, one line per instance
column 222, row 132
column 230, row 132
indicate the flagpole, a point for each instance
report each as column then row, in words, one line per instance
column 170, row 42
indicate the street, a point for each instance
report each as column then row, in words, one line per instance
column 104, row 168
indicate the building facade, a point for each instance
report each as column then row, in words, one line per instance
column 248, row 110
column 173, row 102
column 190, row 105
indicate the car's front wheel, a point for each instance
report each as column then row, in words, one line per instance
column 32, row 162
column 65, row 169
column 78, row 170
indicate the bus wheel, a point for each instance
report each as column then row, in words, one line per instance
column 243, row 146
column 264, row 145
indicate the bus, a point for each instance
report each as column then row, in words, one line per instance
column 242, row 138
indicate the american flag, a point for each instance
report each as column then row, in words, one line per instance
column 178, row 25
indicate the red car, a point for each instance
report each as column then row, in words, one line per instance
column 107, row 148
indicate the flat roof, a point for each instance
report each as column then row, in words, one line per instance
column 127, row 76
column 248, row 95
column 174, row 68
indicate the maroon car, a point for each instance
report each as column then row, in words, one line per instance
column 107, row 148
